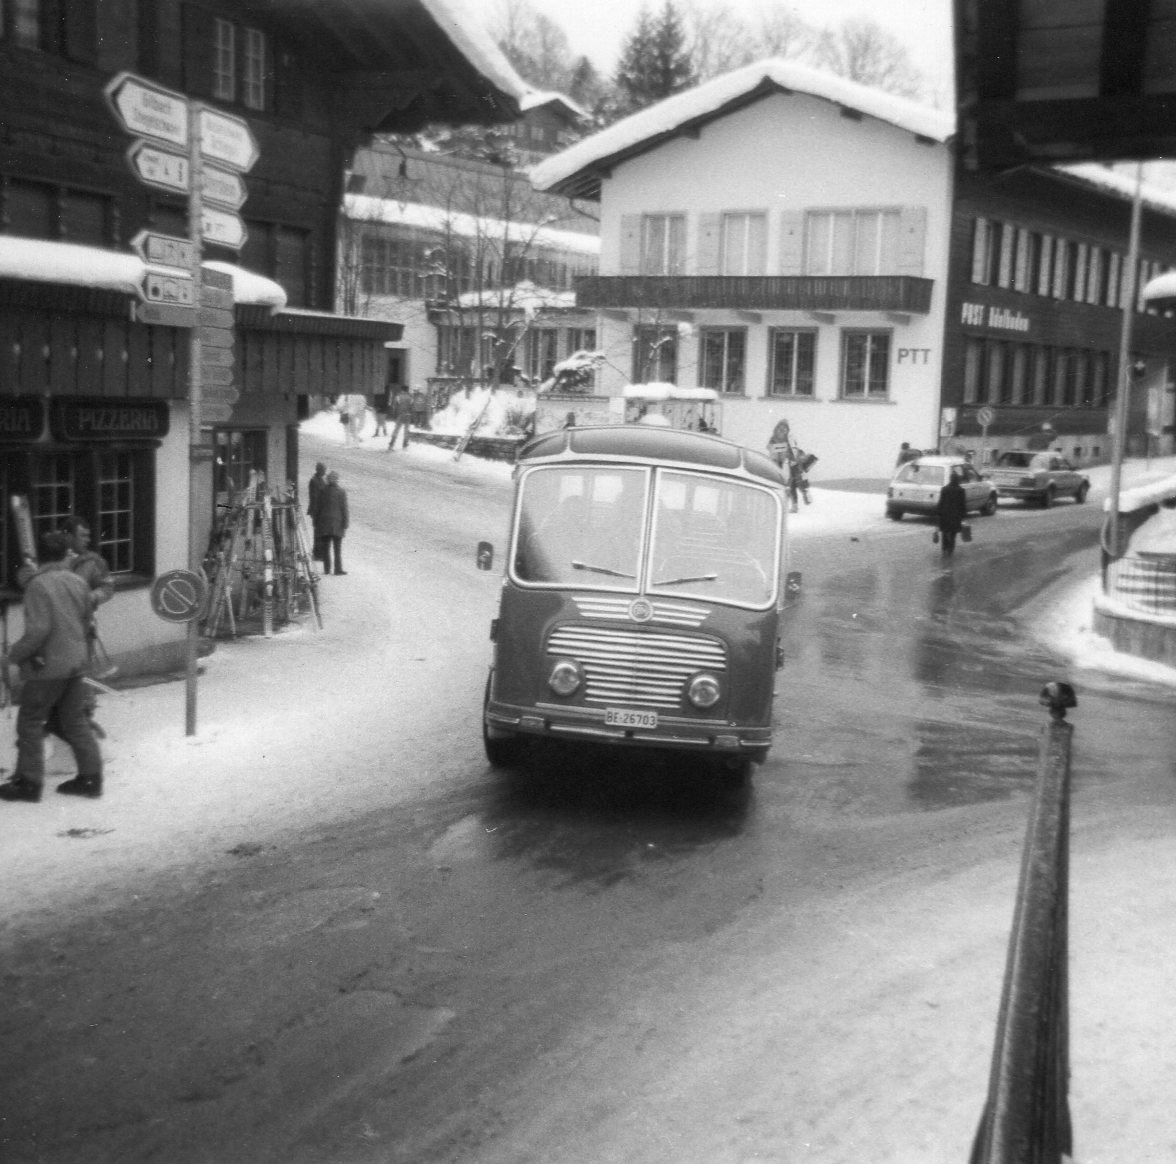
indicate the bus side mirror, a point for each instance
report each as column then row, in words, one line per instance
column 485, row 558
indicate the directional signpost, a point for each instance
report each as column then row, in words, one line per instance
column 184, row 147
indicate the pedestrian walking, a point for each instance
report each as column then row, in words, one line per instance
column 799, row 463
column 380, row 404
column 950, row 512
column 345, row 420
column 401, row 416
column 420, row 408
column 906, row 453
column 330, row 518
column 54, row 657
column 314, row 487
column 780, row 444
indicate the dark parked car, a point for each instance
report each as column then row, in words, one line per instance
column 1040, row 478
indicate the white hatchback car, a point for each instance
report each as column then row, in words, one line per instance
column 916, row 485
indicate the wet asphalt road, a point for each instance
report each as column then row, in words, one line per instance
column 486, row 973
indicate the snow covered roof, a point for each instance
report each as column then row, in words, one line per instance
column 525, row 296
column 657, row 390
column 1122, row 185
column 462, row 22
column 577, row 171
column 1141, row 496
column 44, row 261
column 537, row 98
column 366, row 208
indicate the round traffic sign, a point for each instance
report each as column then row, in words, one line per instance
column 179, row 595
column 985, row 416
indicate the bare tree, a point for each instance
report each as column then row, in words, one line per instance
column 717, row 39
column 532, row 42
column 864, row 51
column 781, row 33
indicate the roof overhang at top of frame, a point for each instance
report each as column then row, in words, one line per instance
column 1061, row 81
column 402, row 64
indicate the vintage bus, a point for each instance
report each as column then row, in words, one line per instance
column 644, row 586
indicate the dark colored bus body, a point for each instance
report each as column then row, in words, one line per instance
column 642, row 595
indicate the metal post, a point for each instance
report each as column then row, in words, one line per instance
column 1130, row 293
column 195, row 514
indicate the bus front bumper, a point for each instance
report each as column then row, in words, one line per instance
column 671, row 731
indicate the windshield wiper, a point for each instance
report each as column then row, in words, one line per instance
column 600, row 570
column 688, row 578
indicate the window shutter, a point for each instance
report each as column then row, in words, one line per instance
column 710, row 227
column 81, row 31
column 792, row 242
column 630, row 244
column 198, row 33
column 912, row 240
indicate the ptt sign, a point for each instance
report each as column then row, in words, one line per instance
column 913, row 356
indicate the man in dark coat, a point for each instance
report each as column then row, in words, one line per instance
column 950, row 513
column 314, row 487
column 54, row 658
column 401, row 417
column 331, row 519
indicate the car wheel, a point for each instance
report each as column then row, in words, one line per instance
column 989, row 507
column 1080, row 494
column 894, row 514
column 735, row 772
column 1047, row 498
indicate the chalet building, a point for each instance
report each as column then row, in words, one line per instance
column 476, row 265
column 809, row 249
column 95, row 415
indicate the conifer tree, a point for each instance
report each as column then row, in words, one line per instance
column 655, row 62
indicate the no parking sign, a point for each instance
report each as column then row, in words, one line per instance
column 179, row 595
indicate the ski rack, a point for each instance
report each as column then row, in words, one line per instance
column 259, row 564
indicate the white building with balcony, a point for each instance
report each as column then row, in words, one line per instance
column 779, row 235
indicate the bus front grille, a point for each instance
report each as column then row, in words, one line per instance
column 635, row 669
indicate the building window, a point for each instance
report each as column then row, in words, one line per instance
column 1096, row 292
column 240, row 64
column 663, row 244
column 973, row 369
column 20, row 22
column 239, row 453
column 852, row 242
column 981, row 234
column 1062, row 271
column 655, row 354
column 581, row 339
column 112, row 489
column 292, row 263
column 1045, row 265
column 253, row 77
column 723, row 359
column 744, row 244
column 1114, row 278
column 865, row 365
column 37, row 210
column 224, row 60
column 793, row 362
column 542, row 352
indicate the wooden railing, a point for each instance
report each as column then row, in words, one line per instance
column 901, row 293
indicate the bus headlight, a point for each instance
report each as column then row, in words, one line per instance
column 704, row 690
column 566, row 677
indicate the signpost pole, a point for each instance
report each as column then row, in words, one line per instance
column 195, row 372
column 1119, row 436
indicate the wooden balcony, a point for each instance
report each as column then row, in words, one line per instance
column 897, row 293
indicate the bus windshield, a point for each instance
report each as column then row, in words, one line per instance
column 628, row 528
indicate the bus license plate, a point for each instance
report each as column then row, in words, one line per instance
column 623, row 717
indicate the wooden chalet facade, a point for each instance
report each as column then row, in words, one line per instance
column 313, row 82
